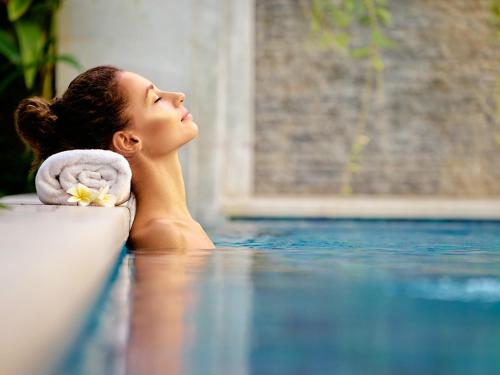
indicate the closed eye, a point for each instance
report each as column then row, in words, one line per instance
column 157, row 100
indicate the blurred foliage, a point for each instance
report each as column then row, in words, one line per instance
column 336, row 24
column 27, row 63
column 495, row 15
column 356, row 28
column 332, row 24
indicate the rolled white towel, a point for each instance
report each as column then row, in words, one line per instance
column 98, row 170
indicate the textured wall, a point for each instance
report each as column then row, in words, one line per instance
column 430, row 125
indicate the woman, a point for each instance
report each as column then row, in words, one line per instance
column 109, row 108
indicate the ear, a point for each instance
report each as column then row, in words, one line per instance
column 126, row 143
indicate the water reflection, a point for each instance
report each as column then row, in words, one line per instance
column 190, row 312
column 161, row 295
column 221, row 320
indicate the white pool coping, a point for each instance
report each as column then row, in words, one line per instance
column 55, row 261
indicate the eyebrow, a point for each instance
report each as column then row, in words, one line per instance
column 150, row 87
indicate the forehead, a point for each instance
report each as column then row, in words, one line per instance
column 134, row 84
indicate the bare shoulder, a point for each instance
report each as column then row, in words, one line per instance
column 159, row 234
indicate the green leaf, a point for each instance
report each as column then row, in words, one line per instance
column 339, row 17
column 327, row 39
column 377, row 63
column 360, row 53
column 364, row 20
column 384, row 15
column 315, row 25
column 380, row 40
column 46, row 8
column 359, row 8
column 349, row 6
column 66, row 58
column 354, row 167
column 342, row 40
column 31, row 41
column 8, row 47
column 16, row 8
column 317, row 8
column 359, row 144
column 495, row 7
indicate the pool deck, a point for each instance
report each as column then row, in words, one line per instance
column 55, row 261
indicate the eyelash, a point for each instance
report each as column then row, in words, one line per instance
column 157, row 100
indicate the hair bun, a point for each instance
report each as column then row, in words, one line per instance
column 35, row 123
column 55, row 106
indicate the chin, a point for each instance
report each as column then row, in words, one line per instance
column 195, row 130
column 195, row 127
column 191, row 136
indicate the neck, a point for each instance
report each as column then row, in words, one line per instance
column 159, row 189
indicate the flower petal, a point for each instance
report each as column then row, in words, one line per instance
column 92, row 194
column 73, row 199
column 107, row 200
column 106, row 204
column 102, row 192
column 83, row 202
column 82, row 187
column 72, row 190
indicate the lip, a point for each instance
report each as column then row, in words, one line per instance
column 186, row 116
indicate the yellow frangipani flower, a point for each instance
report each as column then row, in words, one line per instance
column 81, row 194
column 104, row 199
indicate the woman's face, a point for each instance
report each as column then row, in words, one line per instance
column 158, row 117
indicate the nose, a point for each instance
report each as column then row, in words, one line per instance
column 176, row 97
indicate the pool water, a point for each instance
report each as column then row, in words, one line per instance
column 305, row 297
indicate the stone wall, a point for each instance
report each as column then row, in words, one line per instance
column 431, row 124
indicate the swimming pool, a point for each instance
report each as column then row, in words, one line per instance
column 305, row 296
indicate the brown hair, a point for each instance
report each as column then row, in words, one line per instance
column 87, row 115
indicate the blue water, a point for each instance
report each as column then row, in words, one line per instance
column 306, row 297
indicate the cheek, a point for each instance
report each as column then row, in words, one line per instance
column 161, row 125
column 162, row 130
column 163, row 134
